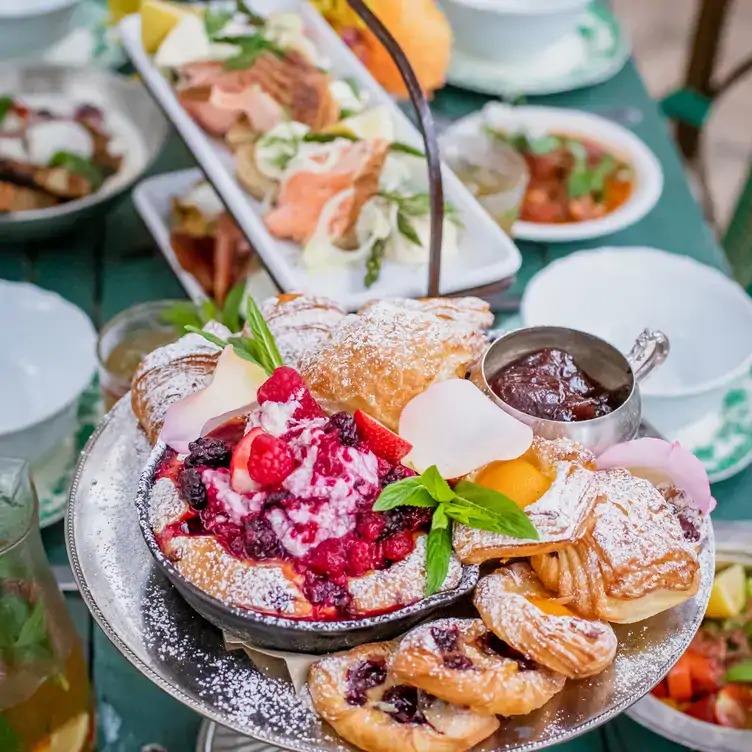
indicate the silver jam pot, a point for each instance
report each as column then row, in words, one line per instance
column 600, row 361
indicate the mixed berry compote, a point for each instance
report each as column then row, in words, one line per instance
column 293, row 484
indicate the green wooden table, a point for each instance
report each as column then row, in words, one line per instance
column 112, row 264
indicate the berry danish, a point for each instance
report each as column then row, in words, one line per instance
column 357, row 693
column 461, row 661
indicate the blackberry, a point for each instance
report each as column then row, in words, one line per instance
column 345, row 424
column 277, row 499
column 260, row 540
column 192, row 488
column 396, row 473
column 208, row 452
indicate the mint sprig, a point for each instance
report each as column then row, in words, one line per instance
column 260, row 348
column 467, row 503
column 184, row 313
column 215, row 20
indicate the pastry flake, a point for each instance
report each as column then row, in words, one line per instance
column 357, row 693
column 514, row 604
column 459, row 661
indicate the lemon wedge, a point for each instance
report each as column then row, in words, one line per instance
column 373, row 123
column 70, row 737
column 729, row 593
column 158, row 18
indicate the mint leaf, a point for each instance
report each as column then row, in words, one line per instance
column 253, row 18
column 207, row 336
column 432, row 481
column 261, row 333
column 485, row 509
column 250, row 350
column 6, row 104
column 406, row 228
column 92, row 173
column 494, row 500
column 231, row 310
column 181, row 315
column 544, row 144
column 216, row 20
column 741, row 673
column 9, row 739
column 408, row 492
column 208, row 312
column 34, row 631
column 14, row 613
column 251, row 47
column 438, row 552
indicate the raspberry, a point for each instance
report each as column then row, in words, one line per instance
column 329, row 558
column 370, row 525
column 286, row 384
column 359, row 558
column 398, row 546
column 270, row 460
column 193, row 488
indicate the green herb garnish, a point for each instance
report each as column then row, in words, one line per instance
column 253, row 18
column 92, row 173
column 260, row 348
column 741, row 673
column 543, row 144
column 6, row 103
column 251, row 47
column 405, row 227
column 327, row 138
column 24, row 637
column 10, row 741
column 184, row 314
column 466, row 503
column 398, row 146
column 419, row 205
column 216, row 20
column 373, row 264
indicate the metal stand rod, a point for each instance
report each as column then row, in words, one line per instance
column 428, row 130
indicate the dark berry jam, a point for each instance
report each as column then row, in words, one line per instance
column 490, row 644
column 363, row 677
column 447, row 639
column 458, row 662
column 344, row 424
column 549, row 384
column 406, row 704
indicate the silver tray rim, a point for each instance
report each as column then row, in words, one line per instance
column 207, row 712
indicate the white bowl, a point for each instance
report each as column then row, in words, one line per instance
column 47, row 358
column 615, row 293
column 507, row 31
column 648, row 176
column 27, row 27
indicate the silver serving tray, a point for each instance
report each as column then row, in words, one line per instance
column 156, row 630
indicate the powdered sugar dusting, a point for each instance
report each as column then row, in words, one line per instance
column 165, row 506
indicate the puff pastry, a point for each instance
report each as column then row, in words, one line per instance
column 301, row 324
column 514, row 604
column 634, row 561
column 378, row 361
column 560, row 515
column 456, row 660
column 170, row 373
column 357, row 693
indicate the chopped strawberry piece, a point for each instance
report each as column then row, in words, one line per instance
column 381, row 441
column 679, row 681
column 286, row 384
column 270, row 460
column 703, row 709
column 240, row 478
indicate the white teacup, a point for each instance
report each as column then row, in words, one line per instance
column 614, row 293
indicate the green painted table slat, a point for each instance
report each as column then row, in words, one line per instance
column 114, row 265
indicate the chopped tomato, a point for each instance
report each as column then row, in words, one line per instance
column 679, row 680
column 660, row 690
column 703, row 709
column 706, row 673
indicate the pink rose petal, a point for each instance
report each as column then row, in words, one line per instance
column 232, row 392
column 661, row 461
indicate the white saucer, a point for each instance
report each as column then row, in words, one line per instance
column 597, row 51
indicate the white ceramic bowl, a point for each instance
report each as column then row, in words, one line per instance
column 47, row 358
column 508, row 31
column 615, row 293
column 27, row 27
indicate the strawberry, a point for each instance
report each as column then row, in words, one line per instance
column 286, row 384
column 240, row 479
column 270, row 460
column 381, row 441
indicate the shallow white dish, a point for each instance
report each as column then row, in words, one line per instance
column 153, row 199
column 486, row 255
column 648, row 180
column 614, row 293
column 27, row 28
column 510, row 30
column 47, row 358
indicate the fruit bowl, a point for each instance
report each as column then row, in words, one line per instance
column 278, row 633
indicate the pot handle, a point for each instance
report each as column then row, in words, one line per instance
column 650, row 349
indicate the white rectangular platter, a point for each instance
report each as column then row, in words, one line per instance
column 153, row 199
column 486, row 254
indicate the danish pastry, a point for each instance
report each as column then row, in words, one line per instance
column 459, row 661
column 378, row 361
column 514, row 604
column 554, row 482
column 301, row 324
column 357, row 693
column 633, row 562
column 170, row 373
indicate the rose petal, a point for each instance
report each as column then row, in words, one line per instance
column 231, row 393
column 656, row 459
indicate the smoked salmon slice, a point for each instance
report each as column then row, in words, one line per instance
column 304, row 194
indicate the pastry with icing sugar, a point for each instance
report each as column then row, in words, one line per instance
column 359, row 695
column 514, row 604
column 378, row 361
column 554, row 481
column 463, row 662
column 635, row 560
